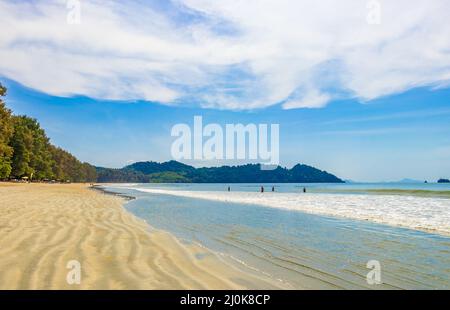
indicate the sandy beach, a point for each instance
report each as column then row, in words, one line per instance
column 45, row 226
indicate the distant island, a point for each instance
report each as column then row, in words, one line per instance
column 410, row 181
column 444, row 181
column 176, row 172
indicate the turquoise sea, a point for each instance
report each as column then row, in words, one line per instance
column 323, row 238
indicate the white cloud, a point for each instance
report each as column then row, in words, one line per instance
column 227, row 54
column 312, row 99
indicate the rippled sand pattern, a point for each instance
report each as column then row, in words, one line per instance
column 43, row 227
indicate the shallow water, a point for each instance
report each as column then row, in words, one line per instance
column 437, row 189
column 303, row 250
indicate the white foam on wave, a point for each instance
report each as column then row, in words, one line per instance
column 421, row 213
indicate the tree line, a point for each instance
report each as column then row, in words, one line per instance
column 176, row 172
column 26, row 152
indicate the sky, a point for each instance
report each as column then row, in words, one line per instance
column 360, row 88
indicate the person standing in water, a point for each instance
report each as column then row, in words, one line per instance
column 304, row 189
column 262, row 189
column 273, row 188
column 229, row 189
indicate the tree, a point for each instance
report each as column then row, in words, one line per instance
column 6, row 131
column 67, row 168
column 26, row 151
column 22, row 143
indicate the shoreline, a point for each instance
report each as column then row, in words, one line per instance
column 45, row 226
column 288, row 245
column 232, row 262
column 101, row 189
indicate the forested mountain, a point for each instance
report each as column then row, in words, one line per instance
column 25, row 151
column 175, row 172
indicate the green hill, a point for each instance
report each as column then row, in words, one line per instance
column 176, row 172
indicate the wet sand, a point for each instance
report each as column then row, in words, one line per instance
column 45, row 226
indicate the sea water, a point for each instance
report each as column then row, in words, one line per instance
column 319, row 239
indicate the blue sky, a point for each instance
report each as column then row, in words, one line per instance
column 402, row 136
column 359, row 88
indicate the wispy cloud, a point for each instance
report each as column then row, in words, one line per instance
column 226, row 54
column 393, row 116
column 369, row 132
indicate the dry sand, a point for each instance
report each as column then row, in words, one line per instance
column 44, row 226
